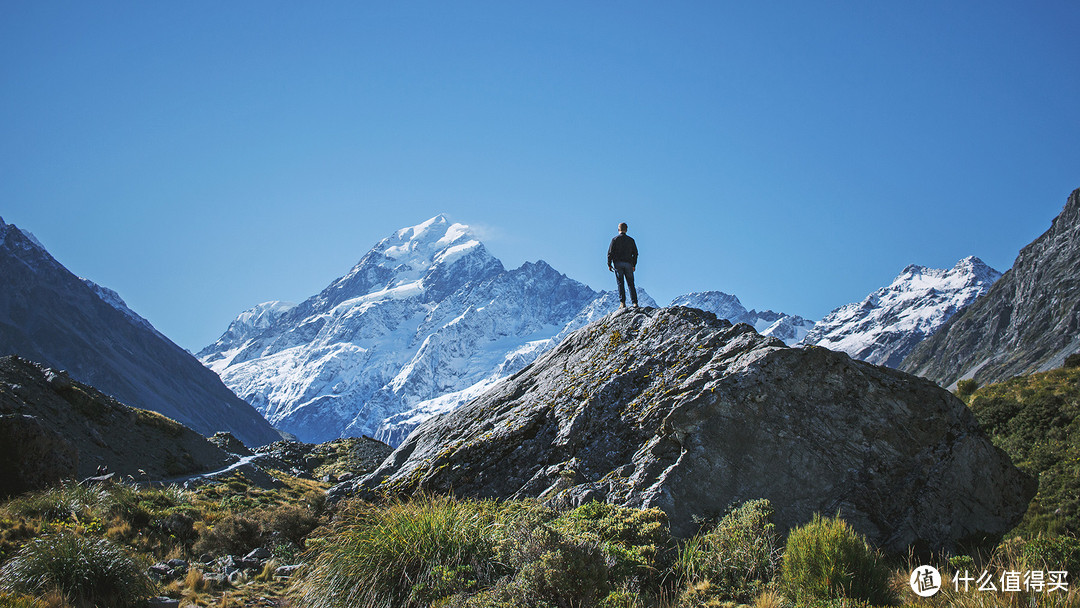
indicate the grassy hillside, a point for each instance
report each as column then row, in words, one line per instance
column 96, row 545
column 1036, row 419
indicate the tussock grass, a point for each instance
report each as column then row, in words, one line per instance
column 404, row 554
column 86, row 572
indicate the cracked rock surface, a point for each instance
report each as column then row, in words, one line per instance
column 673, row 408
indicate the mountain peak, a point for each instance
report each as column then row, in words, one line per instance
column 435, row 225
column 889, row 322
column 434, row 241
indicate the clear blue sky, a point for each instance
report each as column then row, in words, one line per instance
column 202, row 157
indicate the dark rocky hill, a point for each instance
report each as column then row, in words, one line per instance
column 1028, row 322
column 57, row 427
column 673, row 408
column 49, row 315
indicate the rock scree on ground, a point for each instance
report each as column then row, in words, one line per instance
column 673, row 408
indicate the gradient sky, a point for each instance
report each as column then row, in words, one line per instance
column 202, row 157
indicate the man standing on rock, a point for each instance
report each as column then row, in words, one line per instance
column 622, row 260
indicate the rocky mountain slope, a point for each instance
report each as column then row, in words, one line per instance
column 425, row 321
column 888, row 323
column 673, row 408
column 789, row 328
column 51, row 316
column 75, row 421
column 1028, row 321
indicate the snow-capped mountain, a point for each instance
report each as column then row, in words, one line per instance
column 52, row 317
column 789, row 328
column 425, row 321
column 888, row 323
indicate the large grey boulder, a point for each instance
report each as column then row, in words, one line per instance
column 673, row 408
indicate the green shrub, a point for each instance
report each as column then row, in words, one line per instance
column 737, row 558
column 403, row 554
column 1072, row 361
column 960, row 563
column 555, row 569
column 289, row 523
column 637, row 541
column 233, row 535
column 1052, row 553
column 87, row 572
column 826, row 560
column 1036, row 420
column 965, row 388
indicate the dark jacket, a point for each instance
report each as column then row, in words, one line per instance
column 622, row 249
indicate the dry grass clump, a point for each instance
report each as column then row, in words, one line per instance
column 84, row 571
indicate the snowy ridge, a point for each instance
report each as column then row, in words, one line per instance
column 29, row 243
column 113, row 299
column 789, row 328
column 885, row 326
column 424, row 321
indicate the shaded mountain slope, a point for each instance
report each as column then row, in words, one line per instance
column 1029, row 321
column 52, row 316
column 49, row 315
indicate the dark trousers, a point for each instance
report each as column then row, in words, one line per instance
column 625, row 271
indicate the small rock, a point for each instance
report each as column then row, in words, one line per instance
column 161, row 571
column 286, row 571
column 163, row 602
column 213, row 579
column 340, row 492
column 178, row 565
column 259, row 554
column 233, row 563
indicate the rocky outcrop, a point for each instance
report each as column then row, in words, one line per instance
column 103, row 431
column 226, row 441
column 348, row 457
column 49, row 315
column 1028, row 322
column 673, row 408
column 34, row 455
